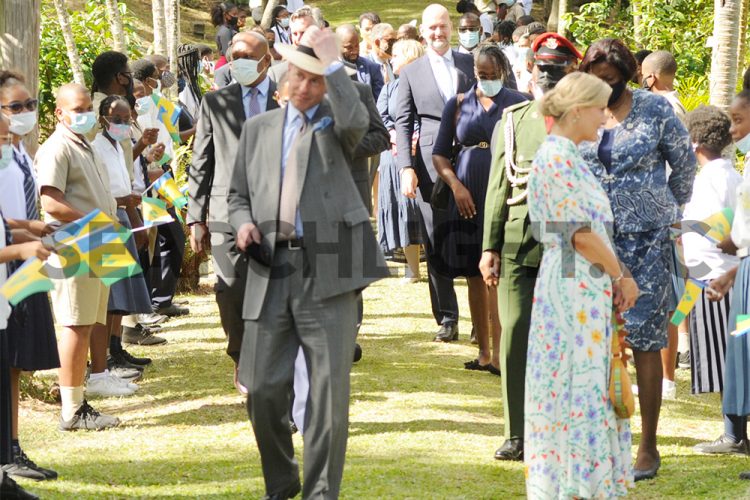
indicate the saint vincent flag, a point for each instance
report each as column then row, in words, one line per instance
column 693, row 288
column 155, row 212
column 169, row 114
column 167, row 187
column 743, row 325
column 717, row 227
column 28, row 279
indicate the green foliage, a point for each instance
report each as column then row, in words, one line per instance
column 92, row 34
column 693, row 91
column 679, row 26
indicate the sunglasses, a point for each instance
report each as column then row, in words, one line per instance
column 18, row 106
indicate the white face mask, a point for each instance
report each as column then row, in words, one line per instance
column 490, row 88
column 245, row 71
column 22, row 123
column 743, row 144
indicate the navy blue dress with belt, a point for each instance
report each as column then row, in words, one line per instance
column 460, row 240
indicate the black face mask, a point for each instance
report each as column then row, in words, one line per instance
column 233, row 21
column 549, row 76
column 617, row 90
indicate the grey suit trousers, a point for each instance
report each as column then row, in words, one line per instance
column 231, row 274
column 326, row 330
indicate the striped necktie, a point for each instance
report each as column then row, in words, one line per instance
column 29, row 186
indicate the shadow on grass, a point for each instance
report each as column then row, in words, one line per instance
column 411, row 426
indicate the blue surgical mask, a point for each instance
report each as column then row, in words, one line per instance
column 7, row 151
column 81, row 123
column 468, row 39
column 743, row 144
column 245, row 71
column 143, row 104
column 490, row 88
column 284, row 22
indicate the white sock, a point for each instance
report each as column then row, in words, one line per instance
column 683, row 341
column 98, row 376
column 72, row 399
column 131, row 320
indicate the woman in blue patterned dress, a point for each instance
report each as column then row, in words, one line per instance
column 575, row 446
column 641, row 136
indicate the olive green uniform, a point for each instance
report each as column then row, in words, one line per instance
column 507, row 230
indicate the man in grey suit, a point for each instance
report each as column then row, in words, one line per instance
column 426, row 85
column 292, row 199
column 222, row 115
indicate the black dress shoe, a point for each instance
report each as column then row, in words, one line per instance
column 745, row 475
column 447, row 333
column 512, row 449
column 10, row 490
column 290, row 492
column 172, row 310
column 644, row 474
column 357, row 352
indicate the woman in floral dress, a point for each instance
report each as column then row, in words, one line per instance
column 575, row 446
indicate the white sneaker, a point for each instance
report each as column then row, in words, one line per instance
column 130, row 385
column 668, row 389
column 107, row 386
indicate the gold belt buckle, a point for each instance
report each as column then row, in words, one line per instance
column 483, row 145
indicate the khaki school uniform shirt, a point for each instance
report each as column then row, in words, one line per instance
column 66, row 161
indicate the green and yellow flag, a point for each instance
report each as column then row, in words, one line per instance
column 716, row 227
column 693, row 289
column 28, row 279
column 169, row 114
column 154, row 212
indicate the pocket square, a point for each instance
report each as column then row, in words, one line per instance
column 323, row 123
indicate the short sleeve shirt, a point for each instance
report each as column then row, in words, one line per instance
column 67, row 162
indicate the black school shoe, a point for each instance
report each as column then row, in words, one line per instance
column 10, row 490
column 23, row 466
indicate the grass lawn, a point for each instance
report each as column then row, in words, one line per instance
column 421, row 425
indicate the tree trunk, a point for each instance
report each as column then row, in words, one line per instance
column 562, row 10
column 637, row 31
column 70, row 44
column 172, row 16
column 118, row 33
column 160, row 29
column 744, row 18
column 554, row 17
column 267, row 13
column 19, row 44
column 723, row 78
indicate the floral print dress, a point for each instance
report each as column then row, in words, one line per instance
column 574, row 445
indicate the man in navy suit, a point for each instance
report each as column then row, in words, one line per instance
column 367, row 71
column 425, row 86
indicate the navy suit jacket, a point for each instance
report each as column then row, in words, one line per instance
column 368, row 72
column 419, row 100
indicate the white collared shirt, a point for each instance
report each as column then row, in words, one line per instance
column 714, row 189
column 114, row 159
column 13, row 200
column 444, row 70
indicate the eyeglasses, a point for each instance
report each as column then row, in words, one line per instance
column 119, row 121
column 17, row 106
column 467, row 28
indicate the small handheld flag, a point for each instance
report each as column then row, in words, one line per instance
column 693, row 288
column 28, row 279
column 167, row 187
column 743, row 325
column 155, row 212
column 169, row 114
column 716, row 227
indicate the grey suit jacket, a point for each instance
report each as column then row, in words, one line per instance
column 217, row 135
column 419, row 100
column 375, row 141
column 339, row 242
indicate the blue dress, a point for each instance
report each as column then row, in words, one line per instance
column 399, row 218
column 460, row 240
column 645, row 203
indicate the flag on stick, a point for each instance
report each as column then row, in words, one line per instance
column 743, row 325
column 155, row 212
column 693, row 288
column 169, row 114
column 716, row 227
column 167, row 187
column 28, row 279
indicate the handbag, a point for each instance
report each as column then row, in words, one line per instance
column 620, row 389
column 440, row 195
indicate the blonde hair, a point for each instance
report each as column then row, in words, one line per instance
column 410, row 49
column 576, row 90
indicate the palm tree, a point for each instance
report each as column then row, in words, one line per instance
column 562, row 10
column 723, row 79
column 172, row 16
column 70, row 44
column 744, row 18
column 115, row 19
column 160, row 27
column 20, row 22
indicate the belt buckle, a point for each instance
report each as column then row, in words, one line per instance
column 295, row 244
column 484, row 145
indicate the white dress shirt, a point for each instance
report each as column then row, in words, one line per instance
column 114, row 159
column 714, row 189
column 444, row 71
column 13, row 199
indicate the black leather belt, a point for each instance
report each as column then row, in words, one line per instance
column 293, row 244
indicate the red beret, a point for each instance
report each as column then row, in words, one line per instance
column 554, row 48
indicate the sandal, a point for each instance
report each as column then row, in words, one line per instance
column 474, row 365
column 489, row 367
